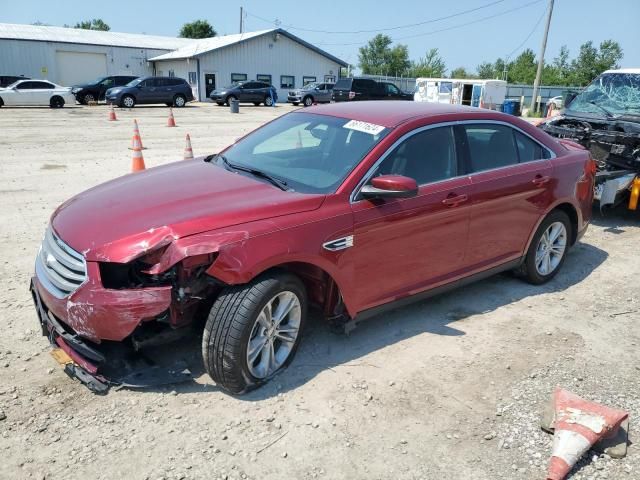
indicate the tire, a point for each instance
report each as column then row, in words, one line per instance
column 229, row 98
column 179, row 101
column 256, row 103
column 56, row 102
column 127, row 101
column 89, row 97
column 237, row 319
column 1, row 103
column 295, row 104
column 539, row 267
column 220, row 104
column 307, row 101
column 268, row 101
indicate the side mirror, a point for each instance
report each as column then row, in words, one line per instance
column 390, row 186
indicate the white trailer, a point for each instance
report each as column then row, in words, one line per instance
column 473, row 92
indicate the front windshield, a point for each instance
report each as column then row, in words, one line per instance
column 311, row 153
column 96, row 81
column 618, row 93
column 135, row 82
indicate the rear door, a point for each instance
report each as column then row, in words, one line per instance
column 411, row 244
column 511, row 176
column 341, row 89
column 151, row 91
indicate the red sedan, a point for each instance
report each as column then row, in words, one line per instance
column 348, row 208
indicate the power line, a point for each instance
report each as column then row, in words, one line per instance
column 443, row 29
column 409, row 25
column 535, row 27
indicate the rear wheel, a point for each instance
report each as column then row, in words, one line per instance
column 308, row 101
column 229, row 99
column 56, row 102
column 128, row 101
column 548, row 249
column 179, row 101
column 253, row 331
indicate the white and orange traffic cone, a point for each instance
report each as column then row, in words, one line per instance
column 112, row 113
column 188, row 151
column 171, row 122
column 137, row 161
column 136, row 137
column 578, row 425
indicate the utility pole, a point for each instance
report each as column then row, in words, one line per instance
column 241, row 18
column 536, row 83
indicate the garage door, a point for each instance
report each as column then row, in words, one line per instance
column 77, row 67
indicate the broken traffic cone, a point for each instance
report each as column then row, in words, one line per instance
column 136, row 136
column 578, row 425
column 137, row 161
column 171, row 122
column 188, row 151
column 112, row 113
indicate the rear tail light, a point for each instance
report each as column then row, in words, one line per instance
column 352, row 95
column 591, row 167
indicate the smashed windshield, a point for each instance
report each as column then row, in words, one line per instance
column 617, row 93
column 309, row 153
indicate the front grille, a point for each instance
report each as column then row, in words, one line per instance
column 60, row 269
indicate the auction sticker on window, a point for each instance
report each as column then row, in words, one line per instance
column 370, row 128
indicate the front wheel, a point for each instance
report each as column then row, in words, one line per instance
column 268, row 101
column 548, row 249
column 56, row 102
column 128, row 101
column 88, row 98
column 253, row 331
column 308, row 101
column 230, row 99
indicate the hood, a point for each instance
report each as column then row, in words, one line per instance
column 114, row 220
column 84, row 85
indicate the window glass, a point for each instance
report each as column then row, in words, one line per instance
column 25, row 86
column 107, row 82
column 193, row 78
column 427, row 156
column 392, row 89
column 238, row 77
column 490, row 146
column 287, row 81
column 330, row 78
column 264, row 78
column 312, row 153
column 308, row 79
column 529, row 150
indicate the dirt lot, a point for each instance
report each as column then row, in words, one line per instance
column 450, row 388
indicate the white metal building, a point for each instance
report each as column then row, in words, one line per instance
column 69, row 56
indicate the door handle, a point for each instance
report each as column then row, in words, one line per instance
column 454, row 200
column 540, row 180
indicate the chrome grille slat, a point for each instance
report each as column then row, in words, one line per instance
column 59, row 268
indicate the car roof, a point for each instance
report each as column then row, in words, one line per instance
column 392, row 113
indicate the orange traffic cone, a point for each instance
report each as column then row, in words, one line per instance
column 136, row 137
column 137, row 161
column 112, row 113
column 578, row 425
column 188, row 151
column 299, row 142
column 171, row 122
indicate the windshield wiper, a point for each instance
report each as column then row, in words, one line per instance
column 609, row 114
column 281, row 184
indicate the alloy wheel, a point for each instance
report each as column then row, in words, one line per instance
column 268, row 101
column 179, row 101
column 551, row 248
column 128, row 102
column 274, row 334
column 89, row 98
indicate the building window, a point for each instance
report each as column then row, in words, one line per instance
column 238, row 77
column 287, row 81
column 193, row 78
column 306, row 80
column 264, row 78
column 172, row 73
column 330, row 78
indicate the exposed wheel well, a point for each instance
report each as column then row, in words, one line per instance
column 570, row 210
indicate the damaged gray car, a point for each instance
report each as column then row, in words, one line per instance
column 605, row 118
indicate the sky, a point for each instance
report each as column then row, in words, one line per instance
column 490, row 29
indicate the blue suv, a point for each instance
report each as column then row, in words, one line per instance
column 171, row 91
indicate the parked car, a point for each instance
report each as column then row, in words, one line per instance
column 6, row 80
column 36, row 92
column 347, row 208
column 172, row 91
column 311, row 93
column 96, row 90
column 554, row 102
column 247, row 92
column 356, row 89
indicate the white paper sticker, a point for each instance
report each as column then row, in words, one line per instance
column 365, row 127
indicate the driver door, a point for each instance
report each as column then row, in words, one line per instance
column 406, row 245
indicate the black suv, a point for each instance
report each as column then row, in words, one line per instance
column 94, row 91
column 352, row 89
column 168, row 90
column 6, row 80
column 254, row 92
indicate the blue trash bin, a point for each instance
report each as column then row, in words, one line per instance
column 509, row 106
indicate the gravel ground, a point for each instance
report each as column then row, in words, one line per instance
column 452, row 387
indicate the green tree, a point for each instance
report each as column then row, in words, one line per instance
column 431, row 65
column 485, row 70
column 460, row 72
column 523, row 68
column 377, row 57
column 197, row 29
column 94, row 24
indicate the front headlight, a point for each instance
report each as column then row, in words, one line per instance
column 75, row 90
